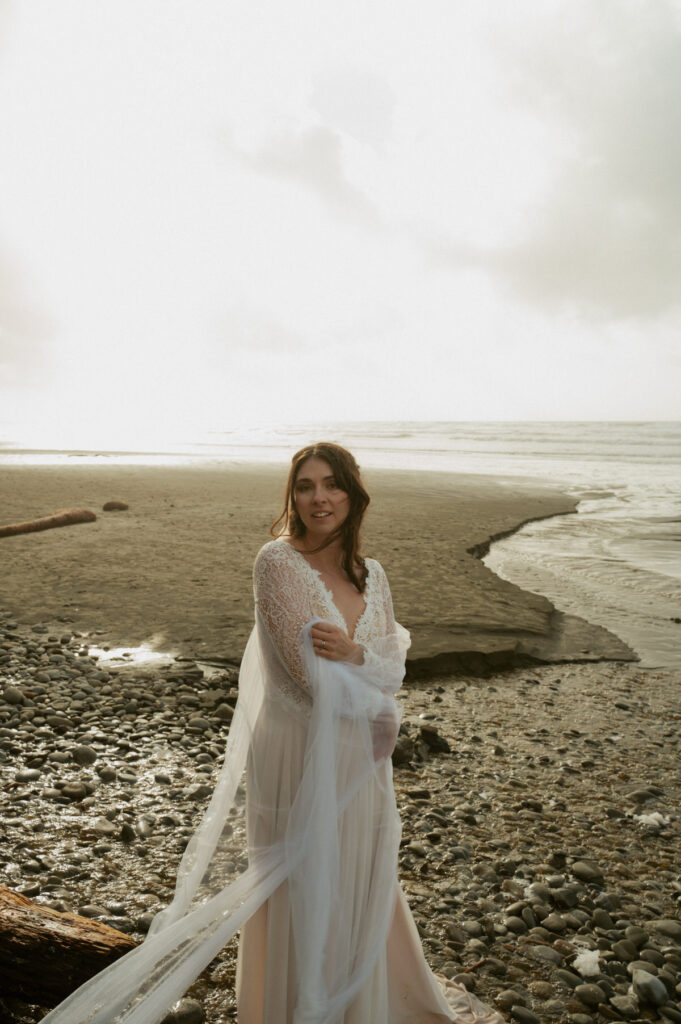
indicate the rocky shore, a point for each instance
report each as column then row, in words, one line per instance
column 542, row 831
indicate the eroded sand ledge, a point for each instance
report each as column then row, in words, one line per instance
column 178, row 565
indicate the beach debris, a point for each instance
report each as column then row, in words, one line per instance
column 115, row 506
column 65, row 517
column 587, row 963
column 45, row 954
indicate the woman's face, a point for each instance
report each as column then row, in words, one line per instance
column 321, row 504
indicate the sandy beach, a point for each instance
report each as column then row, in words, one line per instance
column 536, row 772
column 176, row 567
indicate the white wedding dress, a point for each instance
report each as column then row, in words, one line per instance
column 327, row 936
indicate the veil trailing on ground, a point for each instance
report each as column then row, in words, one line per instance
column 352, row 723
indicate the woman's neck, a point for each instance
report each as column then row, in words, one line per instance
column 328, row 559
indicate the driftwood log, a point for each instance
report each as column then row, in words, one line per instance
column 46, row 955
column 65, row 517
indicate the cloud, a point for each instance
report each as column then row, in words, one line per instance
column 357, row 102
column 24, row 327
column 246, row 328
column 312, row 159
column 606, row 239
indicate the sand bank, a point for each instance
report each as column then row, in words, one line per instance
column 176, row 567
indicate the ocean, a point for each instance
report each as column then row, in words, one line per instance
column 616, row 562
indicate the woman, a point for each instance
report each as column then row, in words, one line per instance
column 326, row 934
column 369, row 966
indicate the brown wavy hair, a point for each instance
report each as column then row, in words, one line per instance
column 346, row 474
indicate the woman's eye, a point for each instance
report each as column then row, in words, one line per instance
column 333, row 485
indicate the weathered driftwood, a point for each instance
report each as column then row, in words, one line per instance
column 65, row 517
column 45, row 955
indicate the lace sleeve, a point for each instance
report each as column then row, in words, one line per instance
column 281, row 606
column 385, row 655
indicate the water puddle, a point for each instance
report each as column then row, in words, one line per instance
column 144, row 655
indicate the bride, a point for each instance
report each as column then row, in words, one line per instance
column 327, row 936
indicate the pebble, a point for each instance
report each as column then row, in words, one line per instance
column 587, row 871
column 520, row 860
column 524, row 1016
column 649, row 989
column 589, row 994
column 187, row 1011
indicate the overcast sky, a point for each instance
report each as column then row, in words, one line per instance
column 222, row 213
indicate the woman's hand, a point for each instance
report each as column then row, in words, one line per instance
column 334, row 644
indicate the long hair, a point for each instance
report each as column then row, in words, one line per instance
column 346, row 473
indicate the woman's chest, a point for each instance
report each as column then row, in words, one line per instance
column 347, row 599
column 360, row 615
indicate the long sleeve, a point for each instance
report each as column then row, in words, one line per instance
column 384, row 656
column 281, row 607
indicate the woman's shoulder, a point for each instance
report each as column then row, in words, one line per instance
column 375, row 568
column 272, row 553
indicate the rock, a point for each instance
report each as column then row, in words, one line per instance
column 74, row 790
column 198, row 792
column 13, row 695
column 670, row 1012
column 404, row 751
column 127, row 833
column 636, row 935
column 601, row 919
column 84, row 755
column 554, row 923
column 27, row 775
column 507, row 998
column 545, row 953
column 105, row 827
column 524, row 1016
column 187, row 1011
column 567, row 978
column 649, row 989
column 114, row 506
column 625, row 950
column 433, row 740
column 590, row 995
column 666, row 926
column 587, row 871
column 541, row 989
column 564, row 898
column 92, row 910
column 625, row 1005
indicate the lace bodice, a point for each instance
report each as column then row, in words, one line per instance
column 289, row 592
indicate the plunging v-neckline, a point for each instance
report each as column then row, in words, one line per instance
column 329, row 593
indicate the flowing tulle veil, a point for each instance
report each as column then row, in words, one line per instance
column 352, row 709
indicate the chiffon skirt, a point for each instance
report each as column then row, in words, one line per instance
column 401, row 988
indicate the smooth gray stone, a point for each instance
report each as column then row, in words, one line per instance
column 649, row 989
column 590, row 995
column 547, row 954
column 524, row 1016
column 666, row 926
column 587, row 871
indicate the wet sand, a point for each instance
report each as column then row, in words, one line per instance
column 176, row 567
